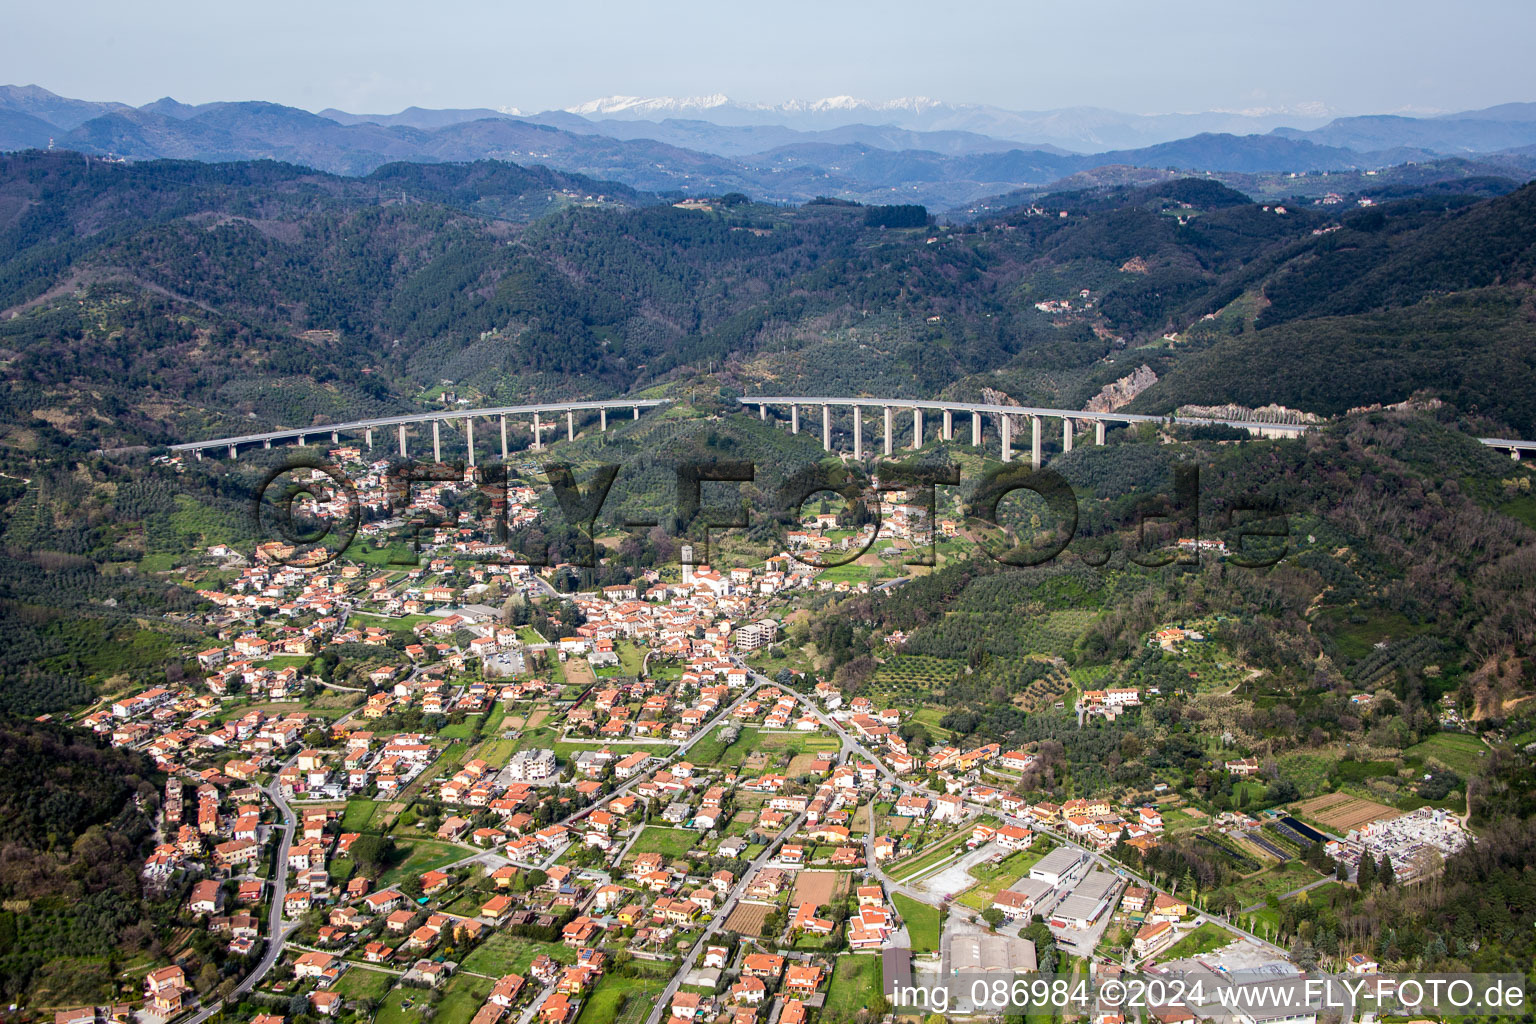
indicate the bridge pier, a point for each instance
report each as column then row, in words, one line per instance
column 232, row 451
column 538, row 432
column 887, row 431
column 402, row 441
column 335, row 437
column 948, row 433
column 762, row 411
column 570, row 425
column 469, row 434
column 199, row 453
column 437, row 441
column 1098, row 431
column 503, row 439
column 794, row 419
column 826, row 427
column 266, row 442
column 917, row 429
column 369, row 435
column 301, row 440
column 602, row 419
column 637, row 412
column 975, row 429
column 1034, row 442
column 1007, row 437
column 858, row 432
column 1066, row 434
column 1514, row 453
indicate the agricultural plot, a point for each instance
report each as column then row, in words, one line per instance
column 1301, row 834
column 915, row 675
column 748, row 918
column 1342, row 812
column 1265, row 845
column 1240, row 861
column 1462, row 754
column 1277, row 881
column 1042, row 693
column 817, row 887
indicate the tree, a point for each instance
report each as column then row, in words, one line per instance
column 993, row 917
column 370, row 852
column 1366, row 876
column 1386, row 873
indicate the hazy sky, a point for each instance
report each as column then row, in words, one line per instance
column 1136, row 56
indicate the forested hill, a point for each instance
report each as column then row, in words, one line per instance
column 74, row 821
column 152, row 302
column 1427, row 294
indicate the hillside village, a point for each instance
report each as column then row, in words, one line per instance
column 581, row 827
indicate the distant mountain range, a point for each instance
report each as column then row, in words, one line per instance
column 1077, row 129
column 914, row 150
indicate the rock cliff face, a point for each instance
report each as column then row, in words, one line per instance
column 992, row 396
column 1120, row 393
column 1263, row 414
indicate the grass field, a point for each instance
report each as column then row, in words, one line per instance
column 753, row 740
column 360, row 814
column 420, row 855
column 669, row 842
column 618, row 1000
column 709, row 749
column 1462, row 754
column 504, row 953
column 401, row 1006
column 462, row 998
column 923, row 922
column 402, row 624
column 1204, row 939
column 361, row 983
column 855, row 986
